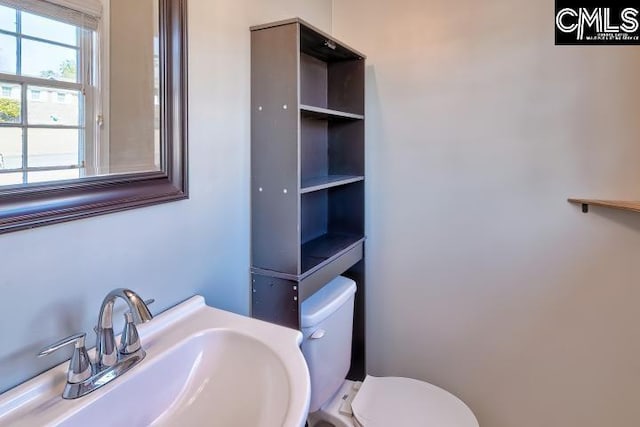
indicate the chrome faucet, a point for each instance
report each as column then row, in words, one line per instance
column 83, row 375
column 106, row 353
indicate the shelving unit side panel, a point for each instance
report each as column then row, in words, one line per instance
column 274, row 149
column 275, row 300
column 358, row 370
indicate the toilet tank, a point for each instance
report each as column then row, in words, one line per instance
column 327, row 324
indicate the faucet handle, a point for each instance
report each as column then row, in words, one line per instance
column 129, row 340
column 77, row 339
column 80, row 364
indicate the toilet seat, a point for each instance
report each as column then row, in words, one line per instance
column 395, row 401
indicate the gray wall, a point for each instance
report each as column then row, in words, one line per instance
column 53, row 279
column 481, row 277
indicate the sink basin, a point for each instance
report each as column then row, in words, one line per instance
column 203, row 367
column 218, row 375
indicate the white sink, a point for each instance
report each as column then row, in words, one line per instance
column 203, row 367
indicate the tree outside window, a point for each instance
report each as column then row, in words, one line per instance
column 9, row 110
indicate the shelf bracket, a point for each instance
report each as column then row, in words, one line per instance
column 585, row 208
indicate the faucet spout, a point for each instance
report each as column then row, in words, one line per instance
column 137, row 306
column 106, row 350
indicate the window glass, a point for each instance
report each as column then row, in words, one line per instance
column 48, row 29
column 10, row 149
column 49, row 61
column 34, row 94
column 55, row 175
column 55, row 107
column 47, row 132
column 7, row 19
column 10, row 105
column 14, row 178
column 8, row 54
column 53, row 147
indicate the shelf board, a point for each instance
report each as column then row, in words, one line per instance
column 633, row 206
column 328, row 114
column 324, row 182
column 322, row 250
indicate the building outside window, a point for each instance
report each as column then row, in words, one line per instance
column 46, row 56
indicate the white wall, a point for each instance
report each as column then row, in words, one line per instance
column 481, row 277
column 53, row 279
column 132, row 77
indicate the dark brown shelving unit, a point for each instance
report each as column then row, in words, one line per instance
column 307, row 171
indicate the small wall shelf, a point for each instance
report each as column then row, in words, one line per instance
column 633, row 206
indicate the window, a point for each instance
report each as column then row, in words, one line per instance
column 45, row 65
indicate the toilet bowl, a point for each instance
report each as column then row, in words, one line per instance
column 327, row 319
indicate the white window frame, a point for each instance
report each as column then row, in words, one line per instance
column 85, row 86
column 99, row 151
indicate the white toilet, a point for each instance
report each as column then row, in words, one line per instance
column 327, row 319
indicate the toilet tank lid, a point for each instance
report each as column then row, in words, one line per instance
column 326, row 301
